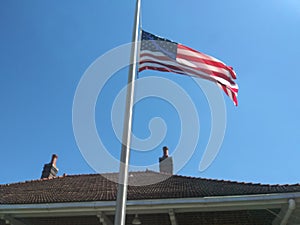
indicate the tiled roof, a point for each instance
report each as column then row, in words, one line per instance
column 96, row 187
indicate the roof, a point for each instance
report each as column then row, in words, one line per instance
column 101, row 187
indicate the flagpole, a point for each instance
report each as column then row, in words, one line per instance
column 120, row 215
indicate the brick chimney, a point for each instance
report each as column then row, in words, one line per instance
column 166, row 162
column 50, row 169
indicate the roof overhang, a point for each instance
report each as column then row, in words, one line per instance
column 221, row 203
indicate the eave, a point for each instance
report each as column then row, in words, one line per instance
column 220, row 203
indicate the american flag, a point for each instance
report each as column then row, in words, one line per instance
column 161, row 54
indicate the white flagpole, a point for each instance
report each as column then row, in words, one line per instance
column 120, row 215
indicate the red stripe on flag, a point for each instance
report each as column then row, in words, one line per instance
column 189, row 62
column 205, row 59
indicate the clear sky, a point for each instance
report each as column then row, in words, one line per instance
column 46, row 47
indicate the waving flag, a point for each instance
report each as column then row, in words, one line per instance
column 160, row 54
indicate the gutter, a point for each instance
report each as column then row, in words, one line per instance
column 261, row 201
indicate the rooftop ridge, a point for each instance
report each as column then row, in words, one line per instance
column 236, row 182
column 74, row 175
column 153, row 172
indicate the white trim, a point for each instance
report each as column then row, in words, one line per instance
column 103, row 219
column 172, row 217
column 289, row 211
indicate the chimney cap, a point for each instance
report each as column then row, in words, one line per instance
column 165, row 151
column 54, row 159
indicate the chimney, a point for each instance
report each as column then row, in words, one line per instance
column 166, row 162
column 50, row 169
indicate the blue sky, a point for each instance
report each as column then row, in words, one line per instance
column 46, row 46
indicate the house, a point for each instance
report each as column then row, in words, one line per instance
column 156, row 198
